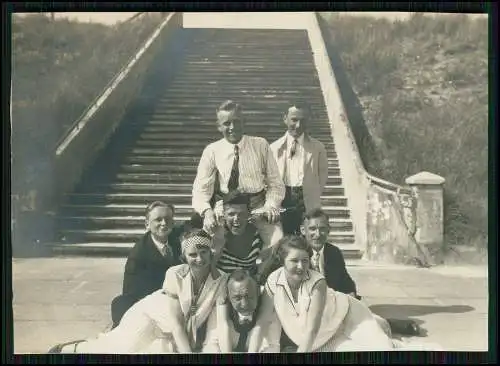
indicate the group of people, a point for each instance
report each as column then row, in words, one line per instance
column 252, row 270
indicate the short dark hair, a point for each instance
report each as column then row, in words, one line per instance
column 155, row 204
column 240, row 275
column 292, row 242
column 314, row 214
column 235, row 197
column 299, row 104
column 229, row 106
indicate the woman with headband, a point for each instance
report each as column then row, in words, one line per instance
column 172, row 319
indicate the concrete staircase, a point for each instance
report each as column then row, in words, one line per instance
column 155, row 153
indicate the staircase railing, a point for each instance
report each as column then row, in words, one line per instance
column 79, row 147
column 350, row 162
column 111, row 86
column 362, row 188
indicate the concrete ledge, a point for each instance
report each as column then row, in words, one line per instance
column 247, row 20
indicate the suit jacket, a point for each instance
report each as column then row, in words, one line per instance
column 315, row 168
column 335, row 270
column 146, row 267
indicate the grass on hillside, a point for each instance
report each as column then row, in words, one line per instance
column 58, row 68
column 423, row 88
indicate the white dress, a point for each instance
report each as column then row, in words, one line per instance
column 146, row 326
column 346, row 324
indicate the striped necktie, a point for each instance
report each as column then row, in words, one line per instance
column 315, row 262
column 235, row 172
column 293, row 149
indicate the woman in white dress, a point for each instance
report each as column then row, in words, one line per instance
column 317, row 318
column 172, row 319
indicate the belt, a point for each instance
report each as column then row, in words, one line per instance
column 296, row 188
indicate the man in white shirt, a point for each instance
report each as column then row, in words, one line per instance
column 303, row 167
column 243, row 163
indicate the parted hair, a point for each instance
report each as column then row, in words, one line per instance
column 299, row 104
column 241, row 275
column 155, row 204
column 315, row 214
column 235, row 197
column 229, row 106
column 292, row 242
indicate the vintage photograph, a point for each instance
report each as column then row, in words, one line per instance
column 252, row 182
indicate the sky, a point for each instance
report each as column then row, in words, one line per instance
column 111, row 18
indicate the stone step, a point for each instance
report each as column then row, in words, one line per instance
column 183, row 189
column 303, row 84
column 217, row 66
column 135, row 204
column 179, row 128
column 174, row 152
column 181, row 169
column 269, row 101
column 159, row 150
column 182, row 177
column 196, row 138
column 338, row 221
column 151, row 140
column 190, row 145
column 186, row 161
column 131, row 235
column 271, row 75
column 269, row 58
column 122, row 249
column 201, row 123
column 200, row 109
column 213, row 95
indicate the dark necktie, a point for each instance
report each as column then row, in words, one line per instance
column 235, row 172
column 293, row 149
column 242, row 341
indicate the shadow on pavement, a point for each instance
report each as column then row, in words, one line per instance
column 404, row 311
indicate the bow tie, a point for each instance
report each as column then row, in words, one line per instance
column 244, row 318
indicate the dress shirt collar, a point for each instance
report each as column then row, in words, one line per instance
column 240, row 144
column 159, row 245
column 320, row 252
column 289, row 139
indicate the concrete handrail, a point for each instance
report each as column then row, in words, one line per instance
column 94, row 106
column 350, row 161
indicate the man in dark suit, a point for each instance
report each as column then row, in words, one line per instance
column 149, row 259
column 329, row 261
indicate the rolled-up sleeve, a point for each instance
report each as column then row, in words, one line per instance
column 275, row 192
column 203, row 185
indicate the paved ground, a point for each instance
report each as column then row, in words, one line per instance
column 60, row 299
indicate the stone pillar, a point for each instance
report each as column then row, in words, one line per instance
column 428, row 191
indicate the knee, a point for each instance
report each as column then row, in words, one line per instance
column 119, row 306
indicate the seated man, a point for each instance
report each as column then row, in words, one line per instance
column 149, row 259
column 237, row 242
column 329, row 261
column 253, row 325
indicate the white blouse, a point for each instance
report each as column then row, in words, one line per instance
column 293, row 315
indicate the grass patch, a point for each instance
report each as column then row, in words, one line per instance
column 422, row 85
column 58, row 68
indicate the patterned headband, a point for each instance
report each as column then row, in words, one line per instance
column 196, row 241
